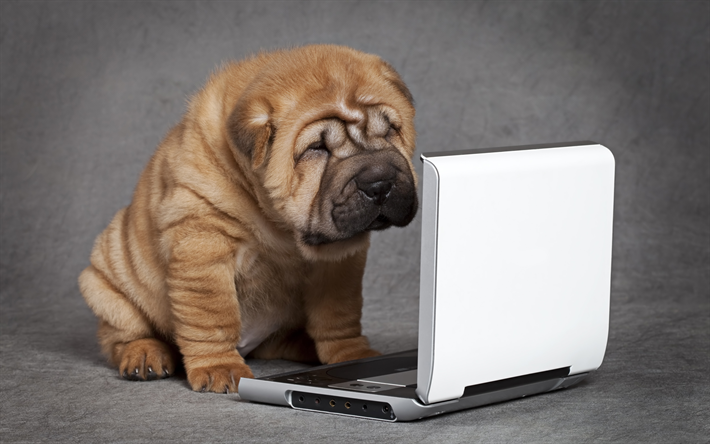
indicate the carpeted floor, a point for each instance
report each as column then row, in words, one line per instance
column 88, row 89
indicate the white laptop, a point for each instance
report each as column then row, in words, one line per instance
column 514, row 290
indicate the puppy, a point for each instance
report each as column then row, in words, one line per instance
column 248, row 231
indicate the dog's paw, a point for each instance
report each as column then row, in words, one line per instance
column 219, row 378
column 350, row 349
column 146, row 360
column 351, row 355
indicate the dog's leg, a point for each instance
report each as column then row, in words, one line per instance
column 125, row 335
column 333, row 308
column 205, row 307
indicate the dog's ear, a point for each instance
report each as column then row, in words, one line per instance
column 251, row 130
column 393, row 77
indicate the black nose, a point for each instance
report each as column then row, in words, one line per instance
column 376, row 191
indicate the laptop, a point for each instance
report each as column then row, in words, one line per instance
column 514, row 289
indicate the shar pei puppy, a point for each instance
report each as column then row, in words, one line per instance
column 248, row 231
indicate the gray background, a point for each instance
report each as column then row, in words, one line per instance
column 88, row 90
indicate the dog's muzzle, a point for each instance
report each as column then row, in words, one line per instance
column 385, row 196
column 367, row 192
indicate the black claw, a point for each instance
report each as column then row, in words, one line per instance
column 166, row 373
column 133, row 376
column 204, row 389
column 151, row 375
column 226, row 388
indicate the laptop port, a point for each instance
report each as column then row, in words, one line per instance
column 343, row 405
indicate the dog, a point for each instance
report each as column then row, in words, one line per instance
column 248, row 231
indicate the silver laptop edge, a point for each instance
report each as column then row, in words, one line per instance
column 384, row 407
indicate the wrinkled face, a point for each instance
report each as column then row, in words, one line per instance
column 329, row 133
column 354, row 176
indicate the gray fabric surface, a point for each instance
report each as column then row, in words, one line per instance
column 88, row 89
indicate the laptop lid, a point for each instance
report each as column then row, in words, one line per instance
column 515, row 267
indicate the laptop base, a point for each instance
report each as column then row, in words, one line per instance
column 323, row 389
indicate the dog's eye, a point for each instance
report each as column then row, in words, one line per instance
column 318, row 147
column 392, row 132
column 314, row 151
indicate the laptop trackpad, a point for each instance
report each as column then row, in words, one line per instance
column 401, row 379
column 380, row 383
column 379, row 374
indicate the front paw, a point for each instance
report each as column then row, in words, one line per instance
column 146, row 360
column 221, row 378
column 352, row 355
column 335, row 351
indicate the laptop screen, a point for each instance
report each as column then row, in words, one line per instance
column 516, row 262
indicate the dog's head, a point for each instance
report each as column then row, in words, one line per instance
column 329, row 133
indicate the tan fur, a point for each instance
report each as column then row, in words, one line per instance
column 210, row 249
